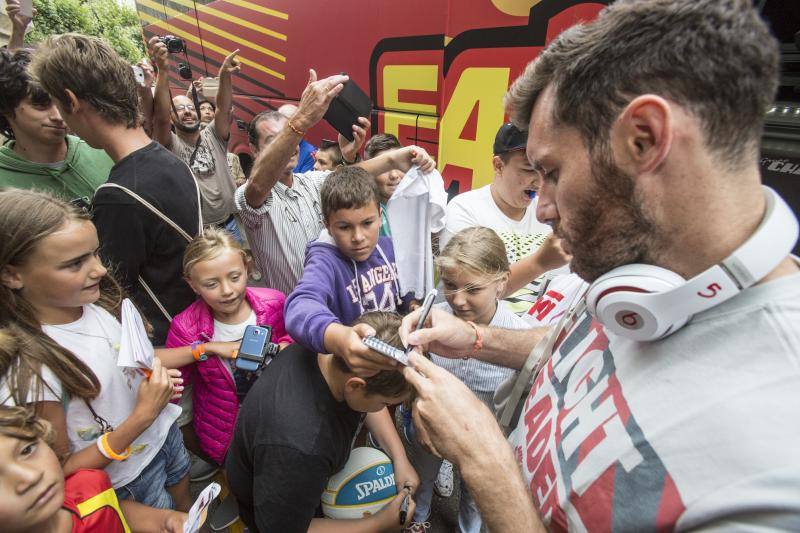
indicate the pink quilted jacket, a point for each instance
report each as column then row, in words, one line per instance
column 214, row 392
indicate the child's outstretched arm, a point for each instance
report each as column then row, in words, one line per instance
column 310, row 307
column 182, row 355
column 153, row 396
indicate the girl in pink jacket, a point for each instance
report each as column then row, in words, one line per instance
column 216, row 268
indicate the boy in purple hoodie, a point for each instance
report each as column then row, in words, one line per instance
column 349, row 270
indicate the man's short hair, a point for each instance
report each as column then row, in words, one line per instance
column 389, row 383
column 252, row 128
column 16, row 84
column 92, row 69
column 348, row 188
column 715, row 58
column 333, row 149
column 379, row 143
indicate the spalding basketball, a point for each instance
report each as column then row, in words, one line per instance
column 363, row 487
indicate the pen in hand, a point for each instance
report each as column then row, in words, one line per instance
column 404, row 505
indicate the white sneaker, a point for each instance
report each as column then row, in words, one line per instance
column 444, row 481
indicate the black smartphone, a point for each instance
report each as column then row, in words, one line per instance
column 346, row 107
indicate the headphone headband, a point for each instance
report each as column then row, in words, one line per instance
column 646, row 302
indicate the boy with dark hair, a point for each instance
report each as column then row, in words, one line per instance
column 387, row 181
column 149, row 209
column 328, row 156
column 296, row 428
column 40, row 154
column 349, row 270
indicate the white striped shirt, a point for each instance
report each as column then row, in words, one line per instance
column 481, row 377
column 279, row 230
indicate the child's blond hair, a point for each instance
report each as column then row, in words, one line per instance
column 209, row 245
column 479, row 250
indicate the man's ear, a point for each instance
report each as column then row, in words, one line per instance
column 72, row 104
column 355, row 384
column 11, row 278
column 642, row 135
column 497, row 165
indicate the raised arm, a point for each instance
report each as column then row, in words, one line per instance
column 19, row 23
column 222, row 118
column 146, row 96
column 275, row 155
column 162, row 123
column 402, row 159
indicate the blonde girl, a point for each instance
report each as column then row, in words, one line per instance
column 61, row 303
column 209, row 330
column 474, row 270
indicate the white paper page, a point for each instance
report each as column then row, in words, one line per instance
column 199, row 510
column 136, row 350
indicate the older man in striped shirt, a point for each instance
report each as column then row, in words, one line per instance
column 280, row 209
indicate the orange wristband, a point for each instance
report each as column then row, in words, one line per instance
column 108, row 453
column 198, row 352
column 478, row 337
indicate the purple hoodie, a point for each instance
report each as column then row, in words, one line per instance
column 328, row 291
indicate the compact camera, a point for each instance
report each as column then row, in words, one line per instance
column 175, row 45
column 256, row 351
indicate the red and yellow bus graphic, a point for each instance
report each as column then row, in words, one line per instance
column 436, row 70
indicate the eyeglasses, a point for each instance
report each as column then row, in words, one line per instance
column 181, row 107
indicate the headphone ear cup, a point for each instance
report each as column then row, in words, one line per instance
column 616, row 301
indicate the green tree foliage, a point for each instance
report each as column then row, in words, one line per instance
column 116, row 23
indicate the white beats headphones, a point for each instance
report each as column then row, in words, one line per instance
column 646, row 302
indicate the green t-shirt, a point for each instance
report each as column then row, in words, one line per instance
column 83, row 170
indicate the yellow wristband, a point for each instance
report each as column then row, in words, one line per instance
column 108, row 453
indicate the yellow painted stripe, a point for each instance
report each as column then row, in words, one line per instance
column 211, row 46
column 258, row 8
column 213, row 29
column 230, row 18
column 107, row 498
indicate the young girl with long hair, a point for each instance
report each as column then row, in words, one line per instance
column 63, row 306
column 474, row 270
column 209, row 330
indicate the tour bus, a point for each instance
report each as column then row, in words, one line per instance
column 436, row 70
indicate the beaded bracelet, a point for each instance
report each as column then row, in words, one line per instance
column 292, row 127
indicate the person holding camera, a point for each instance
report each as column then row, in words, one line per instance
column 205, row 150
